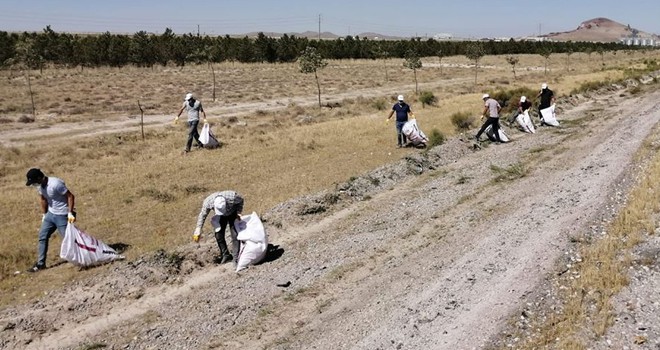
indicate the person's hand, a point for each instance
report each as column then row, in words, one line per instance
column 43, row 217
column 71, row 218
column 196, row 234
column 205, row 121
column 176, row 119
column 387, row 121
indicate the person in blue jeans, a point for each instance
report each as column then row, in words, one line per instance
column 57, row 204
column 193, row 107
column 402, row 110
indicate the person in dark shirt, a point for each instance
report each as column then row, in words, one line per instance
column 547, row 99
column 402, row 110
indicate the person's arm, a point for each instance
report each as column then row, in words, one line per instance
column 180, row 111
column 43, row 203
column 203, row 113
column 485, row 110
column 499, row 108
column 391, row 113
column 70, row 200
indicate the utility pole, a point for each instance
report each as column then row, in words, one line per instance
column 198, row 30
column 319, row 27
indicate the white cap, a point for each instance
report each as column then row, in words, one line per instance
column 400, row 98
column 544, row 86
column 485, row 96
column 188, row 96
column 523, row 99
column 220, row 206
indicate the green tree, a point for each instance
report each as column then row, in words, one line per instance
column 413, row 62
column 310, row 61
column 569, row 52
column 513, row 61
column 474, row 52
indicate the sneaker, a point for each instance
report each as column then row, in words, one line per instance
column 36, row 268
column 477, row 139
column 226, row 258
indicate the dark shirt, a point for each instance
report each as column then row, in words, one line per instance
column 546, row 98
column 402, row 110
column 524, row 105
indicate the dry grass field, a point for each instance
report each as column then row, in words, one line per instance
column 146, row 194
column 277, row 145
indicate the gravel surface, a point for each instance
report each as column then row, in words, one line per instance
column 440, row 250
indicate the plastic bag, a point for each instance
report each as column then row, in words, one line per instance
column 549, row 117
column 81, row 249
column 413, row 133
column 254, row 241
column 491, row 135
column 525, row 122
column 207, row 138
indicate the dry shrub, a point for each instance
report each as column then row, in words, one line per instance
column 26, row 119
column 462, row 120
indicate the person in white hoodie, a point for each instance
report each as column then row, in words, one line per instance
column 227, row 206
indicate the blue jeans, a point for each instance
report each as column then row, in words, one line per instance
column 193, row 134
column 48, row 226
column 400, row 137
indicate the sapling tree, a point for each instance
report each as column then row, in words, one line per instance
column 513, row 61
column 474, row 52
column 310, row 61
column 412, row 61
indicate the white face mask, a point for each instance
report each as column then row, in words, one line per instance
column 36, row 184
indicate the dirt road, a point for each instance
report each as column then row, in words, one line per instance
column 436, row 251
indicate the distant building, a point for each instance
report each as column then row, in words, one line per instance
column 443, row 36
column 637, row 41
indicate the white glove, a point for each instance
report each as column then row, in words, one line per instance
column 205, row 121
column 196, row 234
column 70, row 217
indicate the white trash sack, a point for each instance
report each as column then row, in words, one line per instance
column 413, row 133
column 549, row 117
column 207, row 138
column 254, row 241
column 525, row 122
column 491, row 135
column 81, row 249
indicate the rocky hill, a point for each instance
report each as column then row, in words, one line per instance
column 601, row 30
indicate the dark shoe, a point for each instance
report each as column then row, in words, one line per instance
column 36, row 268
column 477, row 139
column 199, row 145
column 226, row 258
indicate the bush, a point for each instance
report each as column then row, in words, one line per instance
column 379, row 105
column 436, row 138
column 427, row 98
column 462, row 120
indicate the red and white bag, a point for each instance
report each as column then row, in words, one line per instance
column 81, row 249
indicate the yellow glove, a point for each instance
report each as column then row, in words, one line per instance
column 71, row 218
column 176, row 120
column 205, row 121
column 195, row 238
column 387, row 121
column 196, row 234
column 412, row 116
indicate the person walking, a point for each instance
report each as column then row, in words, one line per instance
column 402, row 110
column 57, row 203
column 492, row 109
column 194, row 108
column 228, row 206
column 547, row 99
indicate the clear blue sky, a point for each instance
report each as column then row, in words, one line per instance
column 462, row 18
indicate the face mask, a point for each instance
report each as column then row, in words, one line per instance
column 35, row 184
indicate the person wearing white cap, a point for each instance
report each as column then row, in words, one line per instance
column 402, row 110
column 227, row 206
column 492, row 108
column 547, row 98
column 193, row 107
column 523, row 105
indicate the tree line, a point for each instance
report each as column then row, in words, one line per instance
column 36, row 49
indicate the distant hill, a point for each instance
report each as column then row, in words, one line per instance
column 600, row 30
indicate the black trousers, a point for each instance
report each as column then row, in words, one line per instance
column 219, row 223
column 495, row 122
